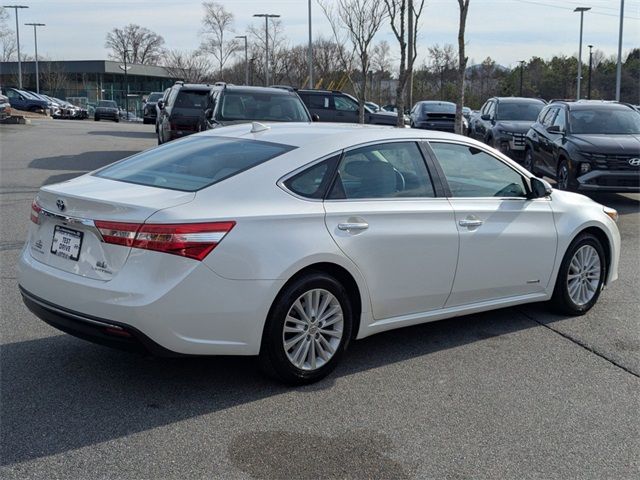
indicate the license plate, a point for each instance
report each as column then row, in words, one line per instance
column 66, row 243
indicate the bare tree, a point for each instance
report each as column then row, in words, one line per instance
column 360, row 20
column 143, row 45
column 8, row 46
column 462, row 62
column 442, row 63
column 404, row 18
column 326, row 60
column 217, row 26
column 278, row 49
column 188, row 66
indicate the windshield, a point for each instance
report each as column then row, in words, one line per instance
column 107, row 104
column 439, row 108
column 193, row 163
column 610, row 121
column 262, row 106
column 192, row 99
column 28, row 95
column 519, row 111
column 154, row 97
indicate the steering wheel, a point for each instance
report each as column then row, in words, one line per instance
column 400, row 181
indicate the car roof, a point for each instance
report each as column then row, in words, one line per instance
column 595, row 104
column 193, row 86
column 332, row 136
column 436, row 102
column 519, row 100
column 245, row 88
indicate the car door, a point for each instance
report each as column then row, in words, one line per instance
column 346, row 109
column 547, row 162
column 383, row 213
column 507, row 241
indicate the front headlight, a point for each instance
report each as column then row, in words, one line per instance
column 505, row 132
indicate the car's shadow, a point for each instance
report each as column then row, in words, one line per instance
column 59, row 393
column 79, row 164
column 151, row 134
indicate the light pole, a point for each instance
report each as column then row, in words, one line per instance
column 126, row 83
column 521, row 62
column 266, row 16
column 16, row 7
column 590, row 70
column 246, row 59
column 310, row 51
column 619, row 65
column 581, row 10
column 35, row 39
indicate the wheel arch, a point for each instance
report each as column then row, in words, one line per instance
column 601, row 235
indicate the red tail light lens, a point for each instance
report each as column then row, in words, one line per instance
column 35, row 212
column 192, row 240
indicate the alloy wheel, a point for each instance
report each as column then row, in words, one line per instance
column 583, row 277
column 563, row 178
column 313, row 329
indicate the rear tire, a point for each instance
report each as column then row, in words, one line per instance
column 300, row 343
column 581, row 276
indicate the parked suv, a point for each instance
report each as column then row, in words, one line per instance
column 336, row 106
column 107, row 109
column 435, row 115
column 586, row 146
column 504, row 121
column 21, row 100
column 149, row 111
column 229, row 104
column 182, row 112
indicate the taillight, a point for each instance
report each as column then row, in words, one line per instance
column 35, row 212
column 192, row 240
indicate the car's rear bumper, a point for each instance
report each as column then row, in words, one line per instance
column 610, row 181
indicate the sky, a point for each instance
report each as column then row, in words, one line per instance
column 505, row 30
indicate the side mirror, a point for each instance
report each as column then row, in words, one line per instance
column 539, row 188
column 208, row 114
column 315, row 117
column 160, row 104
column 485, row 117
column 554, row 129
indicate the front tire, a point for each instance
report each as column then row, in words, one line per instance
column 565, row 177
column 307, row 330
column 581, row 276
column 528, row 161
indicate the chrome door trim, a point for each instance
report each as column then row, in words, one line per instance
column 69, row 220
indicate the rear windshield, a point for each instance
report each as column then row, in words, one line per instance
column 108, row 104
column 519, row 111
column 262, row 106
column 192, row 99
column 438, row 108
column 193, row 163
column 154, row 97
column 614, row 121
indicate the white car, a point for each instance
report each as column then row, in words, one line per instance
column 288, row 241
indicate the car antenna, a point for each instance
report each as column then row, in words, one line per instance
column 258, row 127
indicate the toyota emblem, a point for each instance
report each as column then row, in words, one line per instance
column 60, row 204
column 634, row 162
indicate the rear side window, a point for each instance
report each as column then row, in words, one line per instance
column 314, row 181
column 193, row 163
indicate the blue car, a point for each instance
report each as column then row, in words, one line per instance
column 21, row 100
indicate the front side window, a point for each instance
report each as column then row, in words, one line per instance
column 560, row 120
column 547, row 121
column 194, row 163
column 470, row 172
column 388, row 170
column 345, row 104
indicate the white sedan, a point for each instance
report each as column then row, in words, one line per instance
column 288, row 241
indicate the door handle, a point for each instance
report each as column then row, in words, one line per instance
column 470, row 223
column 353, row 226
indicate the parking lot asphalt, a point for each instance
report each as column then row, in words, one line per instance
column 515, row 393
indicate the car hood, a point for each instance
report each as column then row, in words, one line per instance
column 518, row 126
column 617, row 144
column 384, row 113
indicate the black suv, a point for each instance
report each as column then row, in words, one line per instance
column 230, row 104
column 586, row 146
column 181, row 111
column 336, row 106
column 149, row 113
column 503, row 123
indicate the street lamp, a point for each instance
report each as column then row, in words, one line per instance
column 16, row 7
column 581, row 10
column 35, row 39
column 310, row 51
column 246, row 60
column 521, row 62
column 126, row 83
column 266, row 16
column 590, row 70
column 619, row 64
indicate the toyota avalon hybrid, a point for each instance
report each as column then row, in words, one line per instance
column 288, row 241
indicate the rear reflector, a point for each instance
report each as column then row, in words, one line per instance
column 35, row 212
column 192, row 240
